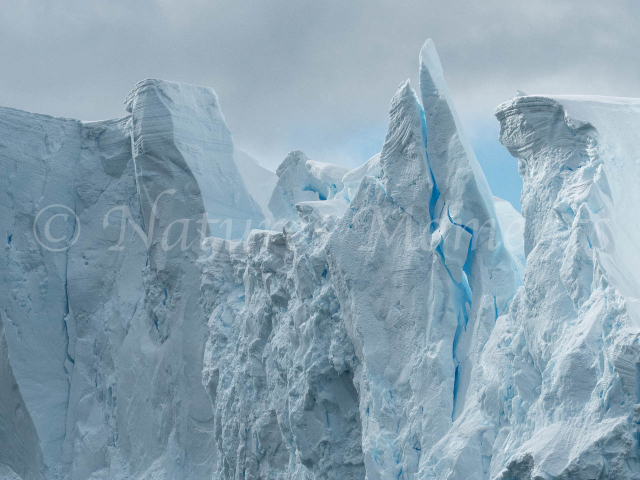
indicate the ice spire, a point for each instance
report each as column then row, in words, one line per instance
column 451, row 157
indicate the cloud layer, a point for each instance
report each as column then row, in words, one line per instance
column 309, row 74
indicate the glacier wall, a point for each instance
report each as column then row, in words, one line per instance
column 395, row 322
column 102, row 315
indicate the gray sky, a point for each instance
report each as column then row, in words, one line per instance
column 317, row 75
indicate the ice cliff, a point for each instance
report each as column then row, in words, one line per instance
column 102, row 317
column 169, row 309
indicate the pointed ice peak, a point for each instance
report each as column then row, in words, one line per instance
column 404, row 102
column 433, row 87
column 441, row 115
column 436, row 100
column 455, row 169
column 405, row 116
column 520, row 93
column 430, row 62
column 404, row 90
column 463, row 198
column 405, row 95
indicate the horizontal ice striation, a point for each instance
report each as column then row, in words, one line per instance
column 180, row 141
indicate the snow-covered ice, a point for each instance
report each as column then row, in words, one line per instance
column 397, row 322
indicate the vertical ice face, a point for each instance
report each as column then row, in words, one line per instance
column 462, row 194
column 464, row 213
column 103, row 292
column 104, row 330
column 349, row 341
column 37, row 156
column 20, row 454
column 344, row 346
column 394, row 291
column 555, row 391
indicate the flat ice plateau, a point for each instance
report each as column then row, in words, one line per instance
column 169, row 309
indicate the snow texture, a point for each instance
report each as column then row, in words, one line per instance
column 397, row 322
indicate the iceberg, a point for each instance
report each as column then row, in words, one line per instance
column 171, row 309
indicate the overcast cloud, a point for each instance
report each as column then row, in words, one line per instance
column 316, row 75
